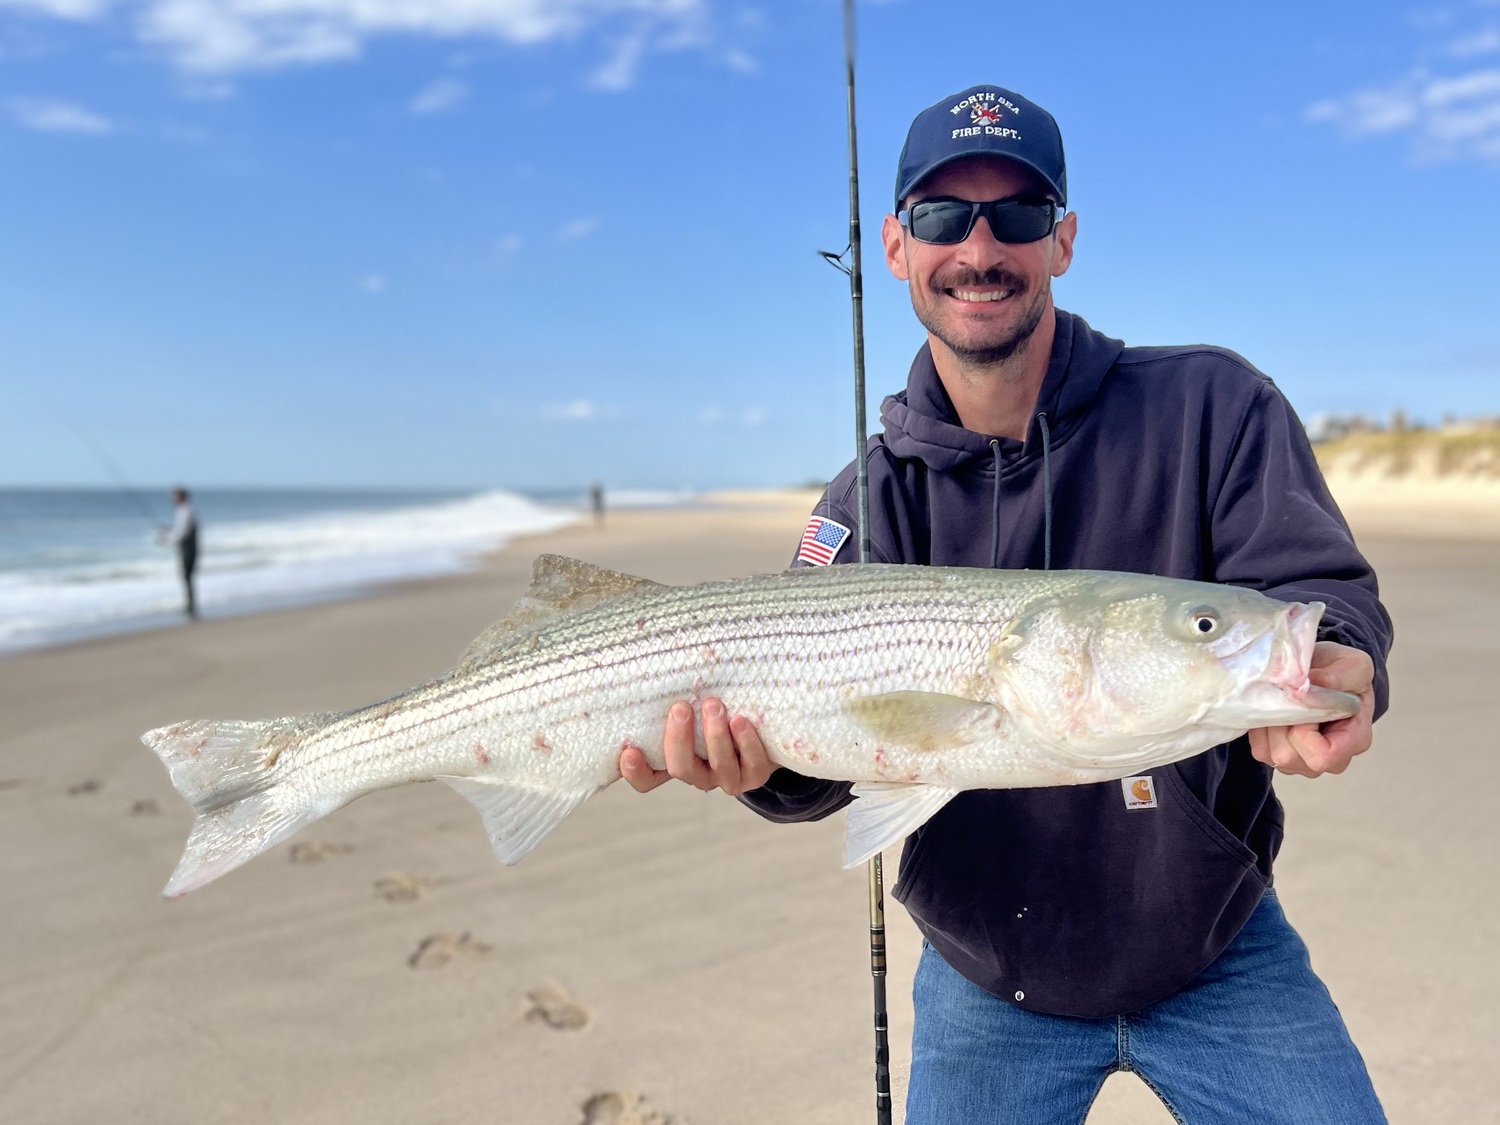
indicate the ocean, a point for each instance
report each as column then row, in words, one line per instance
column 76, row 563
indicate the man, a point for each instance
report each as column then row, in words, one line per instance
column 183, row 534
column 1078, row 930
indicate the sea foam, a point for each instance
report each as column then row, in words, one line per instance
column 71, row 575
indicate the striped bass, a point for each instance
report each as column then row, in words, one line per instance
column 914, row 682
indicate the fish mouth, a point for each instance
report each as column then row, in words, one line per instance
column 1275, row 668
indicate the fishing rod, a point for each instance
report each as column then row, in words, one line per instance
column 856, row 297
column 121, row 481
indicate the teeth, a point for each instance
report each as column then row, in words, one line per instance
column 977, row 295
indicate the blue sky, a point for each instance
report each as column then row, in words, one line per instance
column 535, row 242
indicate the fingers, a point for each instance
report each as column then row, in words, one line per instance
column 1341, row 668
column 638, row 772
column 1278, row 747
column 755, row 761
column 737, row 758
column 723, row 758
column 1310, row 750
column 683, row 762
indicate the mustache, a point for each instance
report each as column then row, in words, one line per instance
column 965, row 278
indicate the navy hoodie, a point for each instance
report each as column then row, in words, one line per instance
column 1181, row 461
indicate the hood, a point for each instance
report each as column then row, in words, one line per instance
column 920, row 422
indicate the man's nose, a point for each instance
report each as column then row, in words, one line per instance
column 982, row 245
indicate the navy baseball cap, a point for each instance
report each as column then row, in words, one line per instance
column 983, row 121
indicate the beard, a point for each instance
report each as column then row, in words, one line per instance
column 994, row 349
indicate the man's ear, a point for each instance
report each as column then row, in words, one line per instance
column 892, row 237
column 1062, row 256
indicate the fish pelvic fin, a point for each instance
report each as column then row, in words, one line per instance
column 559, row 585
column 226, row 771
column 884, row 813
column 516, row 818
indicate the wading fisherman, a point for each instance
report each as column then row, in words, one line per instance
column 1074, row 931
column 183, row 535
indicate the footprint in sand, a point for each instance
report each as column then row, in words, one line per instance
column 145, row 807
column 89, row 786
column 315, row 851
column 623, row 1108
column 401, row 888
column 436, row 950
column 551, row 1005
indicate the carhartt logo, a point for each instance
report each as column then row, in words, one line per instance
column 1140, row 792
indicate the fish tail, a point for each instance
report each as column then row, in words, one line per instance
column 225, row 771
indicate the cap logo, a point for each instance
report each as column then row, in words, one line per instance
column 990, row 102
column 983, row 114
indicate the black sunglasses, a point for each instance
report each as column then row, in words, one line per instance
column 947, row 222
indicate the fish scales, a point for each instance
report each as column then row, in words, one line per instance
column 663, row 643
column 917, row 681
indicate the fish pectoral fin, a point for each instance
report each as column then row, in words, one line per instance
column 923, row 720
column 558, row 585
column 883, row 813
column 516, row 818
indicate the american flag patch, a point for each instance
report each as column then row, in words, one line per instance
column 821, row 541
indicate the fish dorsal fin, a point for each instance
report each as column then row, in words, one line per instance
column 923, row 720
column 567, row 584
column 559, row 585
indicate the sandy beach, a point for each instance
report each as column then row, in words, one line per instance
column 668, row 958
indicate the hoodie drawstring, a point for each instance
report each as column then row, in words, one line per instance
column 995, row 513
column 1046, row 498
column 1041, row 420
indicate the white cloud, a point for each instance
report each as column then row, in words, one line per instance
column 579, row 410
column 47, row 116
column 445, row 93
column 1479, row 43
column 1448, row 110
column 741, row 61
column 207, row 90
column 619, row 72
column 1446, row 117
column 221, row 36
column 60, row 9
column 1369, row 111
column 578, row 228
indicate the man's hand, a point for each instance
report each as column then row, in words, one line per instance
column 1310, row 749
column 737, row 759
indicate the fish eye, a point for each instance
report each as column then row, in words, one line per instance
column 1204, row 621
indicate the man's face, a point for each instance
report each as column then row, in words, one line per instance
column 981, row 298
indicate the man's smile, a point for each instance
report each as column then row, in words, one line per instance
column 979, row 294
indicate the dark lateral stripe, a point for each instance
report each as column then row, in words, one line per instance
column 913, row 611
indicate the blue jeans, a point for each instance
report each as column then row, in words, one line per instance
column 1254, row 1039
